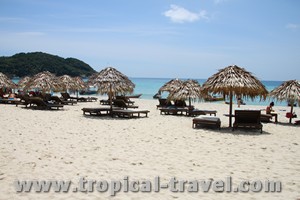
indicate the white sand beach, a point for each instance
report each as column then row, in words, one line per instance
column 66, row 145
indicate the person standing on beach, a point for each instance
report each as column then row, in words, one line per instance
column 240, row 101
column 269, row 110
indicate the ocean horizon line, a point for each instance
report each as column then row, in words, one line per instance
column 194, row 78
column 162, row 78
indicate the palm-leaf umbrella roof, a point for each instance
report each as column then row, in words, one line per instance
column 170, row 85
column 80, row 84
column 6, row 82
column 237, row 80
column 234, row 80
column 110, row 80
column 66, row 82
column 44, row 81
column 188, row 89
column 22, row 82
column 288, row 90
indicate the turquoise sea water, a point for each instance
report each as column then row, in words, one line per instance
column 149, row 87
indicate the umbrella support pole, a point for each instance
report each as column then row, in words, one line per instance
column 110, row 100
column 230, row 109
column 292, row 106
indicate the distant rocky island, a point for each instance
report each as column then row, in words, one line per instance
column 28, row 64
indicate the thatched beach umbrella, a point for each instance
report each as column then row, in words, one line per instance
column 110, row 81
column 23, row 81
column 234, row 80
column 170, row 85
column 5, row 82
column 66, row 82
column 80, row 84
column 290, row 91
column 44, row 81
column 189, row 89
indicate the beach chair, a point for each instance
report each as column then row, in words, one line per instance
column 66, row 96
column 173, row 110
column 197, row 112
column 247, row 119
column 180, row 103
column 210, row 121
column 104, row 101
column 120, row 103
column 40, row 104
column 45, row 96
column 96, row 111
column 24, row 100
column 126, row 100
column 163, row 103
column 129, row 113
column 58, row 100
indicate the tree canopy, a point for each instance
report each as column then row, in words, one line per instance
column 29, row 64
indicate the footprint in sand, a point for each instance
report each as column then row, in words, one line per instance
column 2, row 176
column 31, row 165
column 68, row 162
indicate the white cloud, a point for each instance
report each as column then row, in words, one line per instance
column 292, row 26
column 179, row 14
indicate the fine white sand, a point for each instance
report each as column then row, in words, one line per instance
column 66, row 145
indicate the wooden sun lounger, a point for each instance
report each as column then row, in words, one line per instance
column 38, row 103
column 207, row 121
column 247, row 119
column 173, row 111
column 96, row 111
column 125, row 99
column 24, row 100
column 163, row 103
column 61, row 101
column 130, row 113
column 66, row 96
column 122, row 104
column 104, row 101
column 196, row 112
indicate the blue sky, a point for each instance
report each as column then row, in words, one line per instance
column 160, row 38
